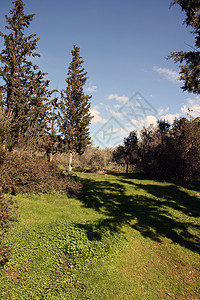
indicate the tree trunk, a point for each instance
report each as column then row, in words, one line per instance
column 4, row 145
column 70, row 161
column 50, row 157
column 127, row 168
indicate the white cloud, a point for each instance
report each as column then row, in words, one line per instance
column 147, row 121
column 114, row 113
column 170, row 117
column 117, row 130
column 91, row 89
column 116, row 106
column 193, row 107
column 117, row 97
column 96, row 116
column 169, row 74
column 151, row 120
column 136, row 122
column 162, row 111
column 184, row 109
column 191, row 101
column 193, row 111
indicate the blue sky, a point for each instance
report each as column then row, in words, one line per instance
column 124, row 45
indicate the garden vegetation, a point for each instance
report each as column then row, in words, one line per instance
column 119, row 223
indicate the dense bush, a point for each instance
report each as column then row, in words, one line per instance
column 172, row 151
column 23, row 173
column 165, row 151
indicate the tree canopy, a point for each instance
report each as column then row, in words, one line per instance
column 24, row 92
column 74, row 114
column 189, row 62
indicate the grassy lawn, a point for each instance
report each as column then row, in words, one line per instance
column 127, row 237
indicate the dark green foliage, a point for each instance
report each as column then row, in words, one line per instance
column 24, row 93
column 165, row 151
column 5, row 217
column 5, row 208
column 189, row 62
column 75, row 117
column 59, row 256
column 186, row 139
column 156, row 151
column 172, row 153
column 119, row 155
column 31, row 174
column 128, row 234
column 128, row 153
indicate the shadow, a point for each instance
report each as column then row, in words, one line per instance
column 154, row 211
column 172, row 196
column 144, row 176
column 93, row 231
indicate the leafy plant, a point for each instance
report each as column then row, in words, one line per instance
column 6, row 205
column 128, row 238
column 31, row 174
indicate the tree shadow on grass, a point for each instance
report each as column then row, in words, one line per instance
column 155, row 213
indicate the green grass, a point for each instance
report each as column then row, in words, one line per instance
column 127, row 237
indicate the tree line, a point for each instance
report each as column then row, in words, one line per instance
column 32, row 117
column 171, row 151
column 164, row 151
column 30, row 114
column 28, row 110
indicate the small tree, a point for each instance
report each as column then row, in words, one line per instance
column 24, row 92
column 74, row 113
column 128, row 153
column 119, row 155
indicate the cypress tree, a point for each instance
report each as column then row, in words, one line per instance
column 25, row 91
column 74, row 113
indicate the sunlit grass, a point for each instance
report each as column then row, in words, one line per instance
column 126, row 237
column 47, row 208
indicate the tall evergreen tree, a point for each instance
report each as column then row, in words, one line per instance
column 189, row 62
column 74, row 116
column 25, row 91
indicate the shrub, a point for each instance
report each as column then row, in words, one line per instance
column 172, row 152
column 31, row 174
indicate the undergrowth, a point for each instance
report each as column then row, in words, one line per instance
column 22, row 173
column 7, row 210
column 55, row 260
column 125, row 237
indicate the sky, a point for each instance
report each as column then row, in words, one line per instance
column 124, row 45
